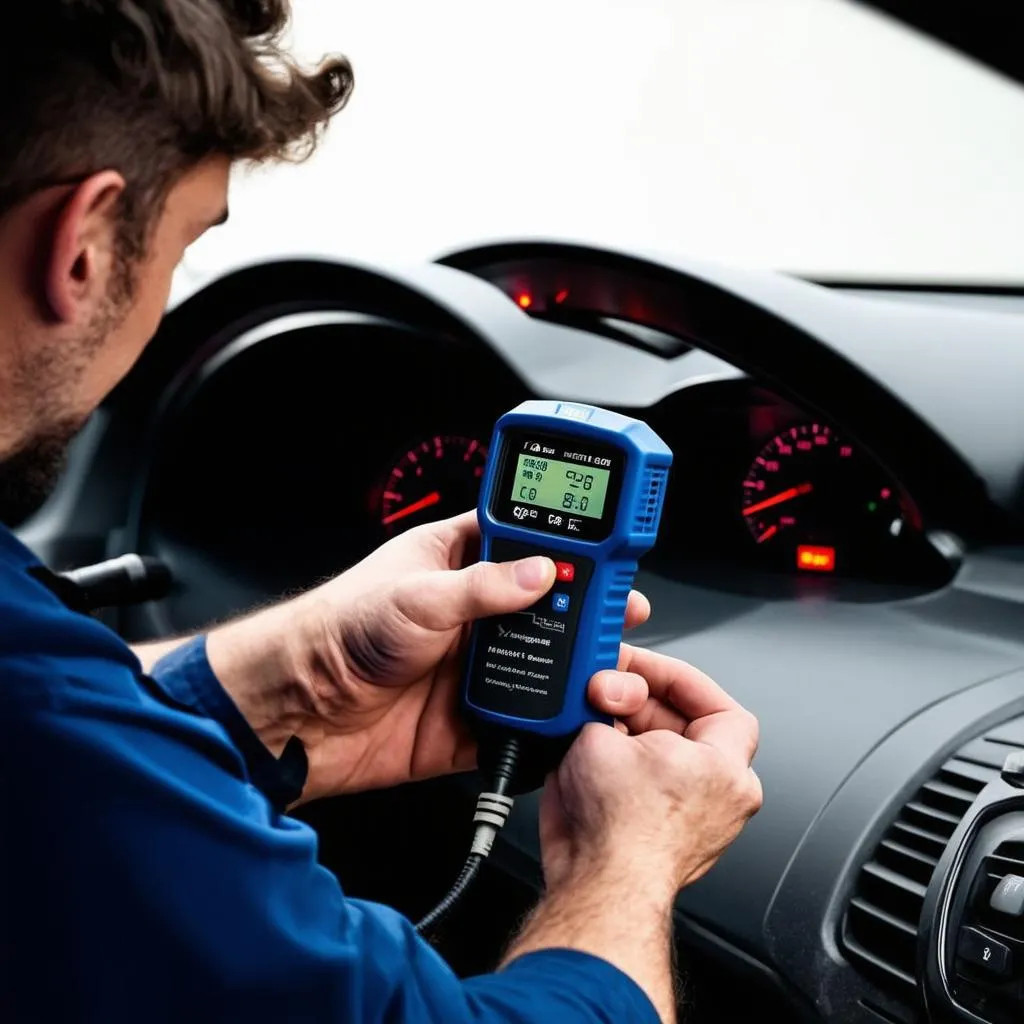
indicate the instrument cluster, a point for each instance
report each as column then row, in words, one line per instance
column 315, row 458
column 758, row 485
column 761, row 485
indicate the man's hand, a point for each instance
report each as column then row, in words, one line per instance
column 366, row 668
column 635, row 813
column 663, row 794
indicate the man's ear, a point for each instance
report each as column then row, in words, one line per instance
column 81, row 256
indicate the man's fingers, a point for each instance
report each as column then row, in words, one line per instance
column 484, row 588
column 656, row 715
column 446, row 599
column 465, row 524
column 619, row 694
column 460, row 537
column 638, row 609
column 693, row 694
column 685, row 700
column 464, row 759
column 734, row 732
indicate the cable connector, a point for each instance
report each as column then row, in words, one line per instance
column 492, row 811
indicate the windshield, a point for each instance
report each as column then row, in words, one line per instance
column 811, row 136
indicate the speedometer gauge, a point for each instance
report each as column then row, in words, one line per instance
column 818, row 503
column 434, row 479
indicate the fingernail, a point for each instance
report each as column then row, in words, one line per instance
column 614, row 689
column 533, row 573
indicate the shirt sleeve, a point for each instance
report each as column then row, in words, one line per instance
column 146, row 878
column 186, row 676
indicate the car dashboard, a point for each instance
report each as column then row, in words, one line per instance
column 842, row 547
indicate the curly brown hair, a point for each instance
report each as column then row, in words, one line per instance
column 151, row 88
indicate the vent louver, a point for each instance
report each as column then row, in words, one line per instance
column 1009, row 857
column 1006, row 859
column 881, row 923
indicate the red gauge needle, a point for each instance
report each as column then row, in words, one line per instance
column 778, row 499
column 417, row 506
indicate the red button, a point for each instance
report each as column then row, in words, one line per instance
column 565, row 572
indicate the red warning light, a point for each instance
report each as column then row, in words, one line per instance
column 561, row 296
column 815, row 559
column 524, row 300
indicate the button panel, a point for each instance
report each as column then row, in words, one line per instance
column 521, row 661
column 984, row 952
column 982, row 970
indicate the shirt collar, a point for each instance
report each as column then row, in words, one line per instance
column 13, row 553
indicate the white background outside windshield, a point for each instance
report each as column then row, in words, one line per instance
column 805, row 135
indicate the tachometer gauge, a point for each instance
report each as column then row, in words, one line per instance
column 818, row 504
column 434, row 479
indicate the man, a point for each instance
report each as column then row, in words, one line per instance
column 148, row 871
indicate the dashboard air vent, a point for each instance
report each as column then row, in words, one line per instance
column 1007, row 859
column 1012, row 852
column 881, row 923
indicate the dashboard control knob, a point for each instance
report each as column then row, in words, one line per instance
column 1013, row 769
column 1008, row 896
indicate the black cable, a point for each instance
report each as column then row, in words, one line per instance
column 469, row 872
column 492, row 810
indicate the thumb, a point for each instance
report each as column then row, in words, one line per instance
column 447, row 599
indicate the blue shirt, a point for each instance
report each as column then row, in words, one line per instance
column 146, row 876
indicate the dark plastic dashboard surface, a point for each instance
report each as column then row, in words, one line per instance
column 861, row 687
column 883, row 370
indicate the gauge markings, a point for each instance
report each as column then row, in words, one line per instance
column 808, row 491
column 435, row 478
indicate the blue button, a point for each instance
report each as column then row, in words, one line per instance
column 560, row 602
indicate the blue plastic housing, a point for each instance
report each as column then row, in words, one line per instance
column 602, row 617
